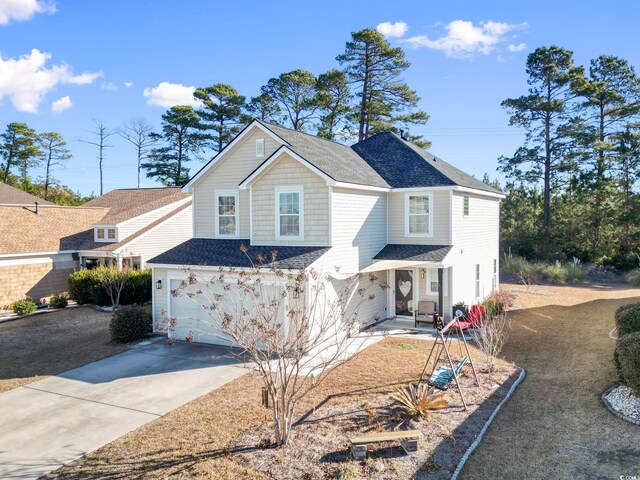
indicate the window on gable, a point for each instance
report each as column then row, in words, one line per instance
column 465, row 208
column 227, row 214
column 100, row 234
column 419, row 215
column 260, row 147
column 289, row 218
column 111, row 233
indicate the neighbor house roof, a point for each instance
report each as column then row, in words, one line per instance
column 403, row 164
column 419, row 253
column 87, row 241
column 14, row 196
column 127, row 203
column 228, row 253
column 53, row 229
column 337, row 161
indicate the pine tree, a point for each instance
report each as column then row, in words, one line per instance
column 221, row 113
column 54, row 153
column 295, row 93
column 19, row 148
column 333, row 100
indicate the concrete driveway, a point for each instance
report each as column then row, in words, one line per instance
column 49, row 423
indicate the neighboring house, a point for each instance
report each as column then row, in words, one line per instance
column 41, row 244
column 383, row 205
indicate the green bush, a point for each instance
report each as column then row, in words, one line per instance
column 633, row 277
column 628, row 361
column 22, row 307
column 85, row 287
column 627, row 319
column 532, row 272
column 130, row 323
column 59, row 300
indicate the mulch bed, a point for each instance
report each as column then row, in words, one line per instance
column 319, row 445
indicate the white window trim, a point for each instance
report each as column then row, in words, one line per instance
column 227, row 193
column 260, row 147
column 105, row 229
column 292, row 189
column 406, row 214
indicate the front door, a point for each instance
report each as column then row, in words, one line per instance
column 404, row 293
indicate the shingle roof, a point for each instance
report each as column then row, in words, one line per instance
column 227, row 253
column 87, row 238
column 14, row 196
column 403, row 164
column 54, row 229
column 128, row 203
column 420, row 253
column 336, row 160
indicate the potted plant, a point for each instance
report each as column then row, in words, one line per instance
column 460, row 309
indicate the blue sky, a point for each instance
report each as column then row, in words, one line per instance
column 466, row 58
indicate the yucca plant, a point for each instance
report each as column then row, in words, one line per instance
column 419, row 401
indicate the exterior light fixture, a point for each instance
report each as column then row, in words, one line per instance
column 296, row 292
column 423, row 273
column 159, row 284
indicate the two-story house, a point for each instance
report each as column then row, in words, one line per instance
column 383, row 205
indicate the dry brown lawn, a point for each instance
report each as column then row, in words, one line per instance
column 554, row 426
column 50, row 343
column 200, row 439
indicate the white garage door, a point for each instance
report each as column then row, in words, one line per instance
column 193, row 318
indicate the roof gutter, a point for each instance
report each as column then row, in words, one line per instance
column 37, row 254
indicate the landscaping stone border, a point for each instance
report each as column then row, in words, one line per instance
column 10, row 316
column 608, row 406
column 478, row 439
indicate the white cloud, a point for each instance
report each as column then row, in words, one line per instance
column 463, row 39
column 517, row 48
column 392, row 30
column 61, row 104
column 128, row 84
column 26, row 79
column 168, row 94
column 21, row 10
column 109, row 86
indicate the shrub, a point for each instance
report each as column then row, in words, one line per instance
column 628, row 360
column 130, row 323
column 22, row 307
column 498, row 302
column 627, row 319
column 633, row 277
column 419, row 401
column 87, row 286
column 59, row 300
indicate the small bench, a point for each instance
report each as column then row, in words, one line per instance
column 408, row 439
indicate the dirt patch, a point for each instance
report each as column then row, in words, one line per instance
column 48, row 344
column 320, row 442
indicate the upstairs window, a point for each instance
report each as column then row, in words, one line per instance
column 289, row 213
column 418, row 220
column 465, row 206
column 100, row 233
column 111, row 233
column 227, row 214
column 260, row 147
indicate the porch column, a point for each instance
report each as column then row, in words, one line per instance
column 440, row 293
column 119, row 262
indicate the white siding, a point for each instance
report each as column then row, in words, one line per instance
column 396, row 219
column 173, row 232
column 289, row 172
column 476, row 241
column 138, row 223
column 227, row 175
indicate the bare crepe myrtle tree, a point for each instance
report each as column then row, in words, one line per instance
column 491, row 334
column 291, row 326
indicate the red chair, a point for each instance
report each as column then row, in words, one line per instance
column 474, row 318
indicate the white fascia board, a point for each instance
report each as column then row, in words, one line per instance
column 357, row 186
column 455, row 188
column 262, row 169
column 188, row 187
column 37, row 254
column 214, row 268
